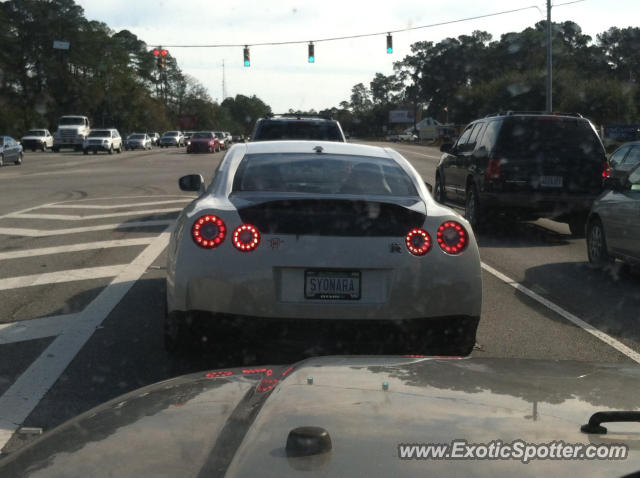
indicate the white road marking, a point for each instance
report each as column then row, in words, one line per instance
column 116, row 198
column 415, row 152
column 113, row 206
column 15, row 231
column 28, row 390
column 68, row 275
column 86, row 246
column 31, row 329
column 619, row 346
column 72, row 217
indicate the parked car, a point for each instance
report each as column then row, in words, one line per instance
column 107, row 140
column 172, row 138
column 624, row 159
column 229, row 137
column 351, row 230
column 155, row 138
column 10, row 151
column 409, row 137
column 297, row 127
column 526, row 165
column 37, row 139
column 613, row 228
column 204, row 142
column 137, row 141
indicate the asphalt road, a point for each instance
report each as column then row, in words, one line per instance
column 82, row 257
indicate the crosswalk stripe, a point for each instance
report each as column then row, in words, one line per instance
column 68, row 275
column 112, row 206
column 71, row 217
column 19, row 400
column 16, row 231
column 32, row 329
column 85, row 246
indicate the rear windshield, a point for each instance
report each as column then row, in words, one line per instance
column 171, row 133
column 325, row 174
column 35, row 132
column 71, row 121
column 136, row 136
column 100, row 133
column 528, row 136
column 275, row 130
column 202, row 135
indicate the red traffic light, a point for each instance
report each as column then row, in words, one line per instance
column 156, row 52
column 163, row 52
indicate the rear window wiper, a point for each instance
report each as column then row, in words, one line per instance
column 594, row 425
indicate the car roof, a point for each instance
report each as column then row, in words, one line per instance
column 330, row 147
column 297, row 118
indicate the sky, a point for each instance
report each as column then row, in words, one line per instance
column 281, row 75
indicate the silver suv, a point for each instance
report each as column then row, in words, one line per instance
column 108, row 140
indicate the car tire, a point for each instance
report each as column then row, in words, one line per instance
column 85, row 152
column 43, row 148
column 597, row 244
column 180, row 337
column 577, row 226
column 18, row 161
column 95, row 151
column 473, row 209
column 55, row 150
column 438, row 191
column 1, row 160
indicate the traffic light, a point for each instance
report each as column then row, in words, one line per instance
column 389, row 43
column 312, row 56
column 247, row 60
column 161, row 57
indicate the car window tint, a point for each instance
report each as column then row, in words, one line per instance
column 632, row 158
column 530, row 136
column 274, row 130
column 476, row 135
column 617, row 157
column 328, row 174
column 634, row 179
column 464, row 137
column 490, row 135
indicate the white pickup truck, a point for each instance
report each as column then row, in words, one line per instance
column 402, row 137
column 71, row 133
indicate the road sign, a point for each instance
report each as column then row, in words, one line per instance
column 60, row 45
column 400, row 116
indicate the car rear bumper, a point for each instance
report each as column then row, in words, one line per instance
column 541, row 204
column 32, row 144
column 96, row 147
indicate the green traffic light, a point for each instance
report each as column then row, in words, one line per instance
column 247, row 63
column 389, row 50
column 312, row 59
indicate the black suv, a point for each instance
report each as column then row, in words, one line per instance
column 296, row 127
column 527, row 165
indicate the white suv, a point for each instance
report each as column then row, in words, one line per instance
column 108, row 140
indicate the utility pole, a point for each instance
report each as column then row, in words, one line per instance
column 549, row 106
column 224, row 87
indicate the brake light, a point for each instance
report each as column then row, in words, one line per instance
column 208, row 231
column 418, row 241
column 452, row 237
column 606, row 170
column 246, row 238
column 493, row 169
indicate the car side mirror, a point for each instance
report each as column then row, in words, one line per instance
column 446, row 147
column 613, row 184
column 192, row 182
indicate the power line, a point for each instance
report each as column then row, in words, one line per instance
column 363, row 35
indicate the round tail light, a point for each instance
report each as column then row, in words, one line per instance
column 208, row 231
column 246, row 238
column 418, row 242
column 452, row 237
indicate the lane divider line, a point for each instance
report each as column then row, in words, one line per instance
column 597, row 333
column 16, row 231
column 68, row 275
column 113, row 206
column 72, row 217
column 85, row 246
column 32, row 329
column 29, row 389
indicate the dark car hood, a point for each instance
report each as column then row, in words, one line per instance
column 237, row 421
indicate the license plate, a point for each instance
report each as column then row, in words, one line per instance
column 332, row 285
column 551, row 181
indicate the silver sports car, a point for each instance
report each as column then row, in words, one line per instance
column 314, row 230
